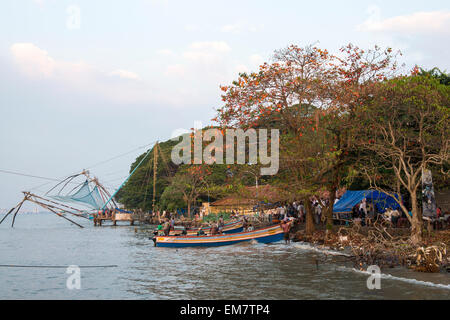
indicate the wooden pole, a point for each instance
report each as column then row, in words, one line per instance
column 46, row 206
column 155, row 168
column 59, row 215
column 17, row 211
column 31, row 195
column 8, row 214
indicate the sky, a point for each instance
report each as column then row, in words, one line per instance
column 82, row 82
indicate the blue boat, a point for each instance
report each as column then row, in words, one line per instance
column 265, row 235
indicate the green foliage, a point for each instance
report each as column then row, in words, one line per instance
column 213, row 217
column 171, row 199
column 436, row 73
column 138, row 190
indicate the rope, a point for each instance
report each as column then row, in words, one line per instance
column 65, row 267
column 120, row 155
column 62, row 179
column 28, row 175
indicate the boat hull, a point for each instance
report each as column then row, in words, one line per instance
column 266, row 235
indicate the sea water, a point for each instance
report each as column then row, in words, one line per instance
column 125, row 265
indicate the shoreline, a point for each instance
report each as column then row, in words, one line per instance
column 381, row 246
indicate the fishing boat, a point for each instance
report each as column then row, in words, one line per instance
column 229, row 227
column 265, row 235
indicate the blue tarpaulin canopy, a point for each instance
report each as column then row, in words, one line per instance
column 381, row 200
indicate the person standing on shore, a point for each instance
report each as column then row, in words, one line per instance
column 363, row 207
column 318, row 212
column 301, row 211
column 286, row 226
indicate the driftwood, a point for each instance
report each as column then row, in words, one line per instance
column 380, row 246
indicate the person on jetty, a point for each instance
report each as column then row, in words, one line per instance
column 286, row 226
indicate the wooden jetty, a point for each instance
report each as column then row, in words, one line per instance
column 114, row 217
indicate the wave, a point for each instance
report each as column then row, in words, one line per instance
column 408, row 280
column 308, row 247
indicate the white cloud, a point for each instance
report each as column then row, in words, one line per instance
column 32, row 60
column 189, row 77
column 218, row 46
column 37, row 65
column 422, row 36
column 125, row 74
column 256, row 60
column 195, row 72
column 240, row 27
column 175, row 70
column 207, row 52
column 418, row 22
column 241, row 68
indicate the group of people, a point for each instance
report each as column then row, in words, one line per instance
column 365, row 214
column 297, row 210
column 166, row 227
column 216, row 227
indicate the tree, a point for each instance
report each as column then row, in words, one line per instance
column 436, row 73
column 137, row 193
column 407, row 120
column 189, row 182
column 310, row 95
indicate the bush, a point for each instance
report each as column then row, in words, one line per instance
column 215, row 216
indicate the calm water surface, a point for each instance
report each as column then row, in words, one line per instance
column 244, row 271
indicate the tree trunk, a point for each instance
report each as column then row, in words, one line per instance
column 309, row 217
column 332, row 191
column 416, row 222
column 189, row 209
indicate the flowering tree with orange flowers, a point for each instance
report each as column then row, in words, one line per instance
column 310, row 95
